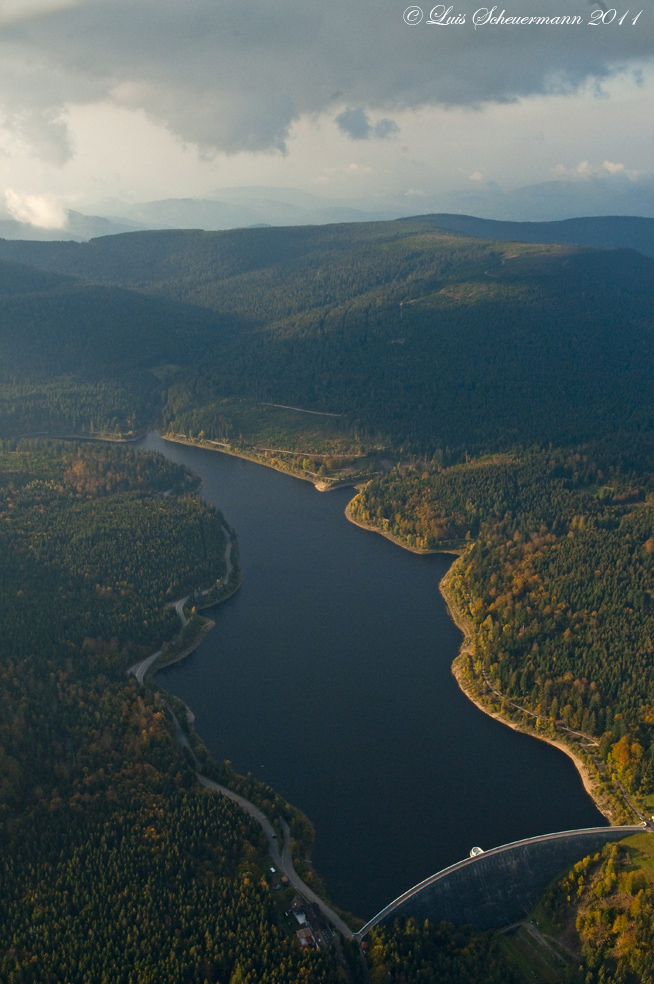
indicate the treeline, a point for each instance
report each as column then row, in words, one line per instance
column 556, row 581
column 114, row 864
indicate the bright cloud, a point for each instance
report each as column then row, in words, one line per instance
column 586, row 170
column 613, row 168
column 42, row 211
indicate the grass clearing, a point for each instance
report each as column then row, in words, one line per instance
column 531, row 958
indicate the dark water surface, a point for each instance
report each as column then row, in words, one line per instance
column 328, row 676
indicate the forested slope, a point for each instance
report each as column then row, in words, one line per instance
column 415, row 337
column 556, row 582
column 114, row 864
column 76, row 358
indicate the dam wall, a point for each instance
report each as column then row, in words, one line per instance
column 501, row 886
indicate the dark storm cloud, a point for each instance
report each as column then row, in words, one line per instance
column 356, row 124
column 234, row 76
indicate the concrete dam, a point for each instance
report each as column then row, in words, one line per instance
column 501, row 886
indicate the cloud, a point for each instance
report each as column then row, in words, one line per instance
column 582, row 170
column 612, row 168
column 13, row 11
column 45, row 132
column 585, row 170
column 234, row 77
column 42, row 211
column 476, row 176
column 385, row 128
column 356, row 124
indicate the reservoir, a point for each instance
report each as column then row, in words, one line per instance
column 328, row 677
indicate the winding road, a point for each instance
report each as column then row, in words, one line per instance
column 140, row 669
column 283, row 861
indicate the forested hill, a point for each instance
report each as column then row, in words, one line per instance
column 54, row 324
column 603, row 231
column 75, row 356
column 415, row 336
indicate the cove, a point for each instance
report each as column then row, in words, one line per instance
column 328, row 676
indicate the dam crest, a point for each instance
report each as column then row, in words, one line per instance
column 499, row 887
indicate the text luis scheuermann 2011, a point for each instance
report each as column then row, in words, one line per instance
column 442, row 16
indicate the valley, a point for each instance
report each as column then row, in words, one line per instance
column 489, row 399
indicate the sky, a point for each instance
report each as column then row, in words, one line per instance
column 368, row 101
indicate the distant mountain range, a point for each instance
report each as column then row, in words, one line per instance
column 237, row 208
column 233, row 208
column 229, row 208
column 541, row 206
column 553, row 200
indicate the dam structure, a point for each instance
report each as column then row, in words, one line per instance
column 498, row 887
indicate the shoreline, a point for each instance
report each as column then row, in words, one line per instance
column 590, row 780
column 458, row 666
column 205, row 629
column 424, row 551
column 318, row 484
